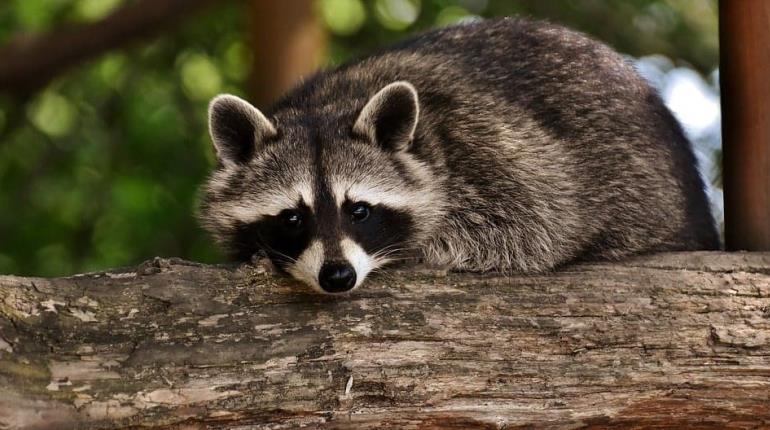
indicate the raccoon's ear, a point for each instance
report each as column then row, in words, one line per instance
column 237, row 128
column 390, row 116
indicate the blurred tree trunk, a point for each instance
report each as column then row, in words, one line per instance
column 288, row 42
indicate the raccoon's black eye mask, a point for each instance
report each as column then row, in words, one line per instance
column 282, row 237
column 376, row 227
column 294, row 220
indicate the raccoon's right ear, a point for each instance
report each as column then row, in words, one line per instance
column 237, row 128
column 389, row 118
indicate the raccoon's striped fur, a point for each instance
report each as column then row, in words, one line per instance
column 505, row 145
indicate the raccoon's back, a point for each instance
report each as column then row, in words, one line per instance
column 557, row 114
column 580, row 104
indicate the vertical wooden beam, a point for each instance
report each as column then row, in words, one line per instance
column 288, row 42
column 744, row 37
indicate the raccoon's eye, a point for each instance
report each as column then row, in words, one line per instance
column 359, row 212
column 291, row 219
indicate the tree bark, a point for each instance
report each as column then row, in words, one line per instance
column 663, row 341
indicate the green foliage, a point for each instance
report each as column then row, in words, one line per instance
column 684, row 30
column 101, row 168
column 343, row 17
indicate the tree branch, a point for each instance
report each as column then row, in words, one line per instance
column 665, row 341
column 29, row 63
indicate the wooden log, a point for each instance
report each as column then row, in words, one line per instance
column 663, row 341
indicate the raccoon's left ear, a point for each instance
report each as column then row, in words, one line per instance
column 389, row 118
column 237, row 128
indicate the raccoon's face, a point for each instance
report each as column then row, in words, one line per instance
column 327, row 202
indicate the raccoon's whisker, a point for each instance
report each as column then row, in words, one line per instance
column 393, row 249
column 283, row 258
column 389, row 250
column 393, row 256
column 384, row 255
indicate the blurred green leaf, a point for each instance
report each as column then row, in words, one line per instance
column 92, row 10
column 35, row 15
column 54, row 259
column 397, row 14
column 200, row 76
column 237, row 61
column 112, row 69
column 343, row 17
column 133, row 196
column 53, row 114
column 113, row 240
column 454, row 14
column 8, row 265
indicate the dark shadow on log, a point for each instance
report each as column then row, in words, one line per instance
column 665, row 341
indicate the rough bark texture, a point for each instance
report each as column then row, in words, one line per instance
column 665, row 341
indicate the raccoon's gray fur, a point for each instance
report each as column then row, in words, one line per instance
column 505, row 145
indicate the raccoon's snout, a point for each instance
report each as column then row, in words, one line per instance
column 337, row 277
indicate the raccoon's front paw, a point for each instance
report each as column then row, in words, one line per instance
column 262, row 264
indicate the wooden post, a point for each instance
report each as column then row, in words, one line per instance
column 288, row 42
column 744, row 38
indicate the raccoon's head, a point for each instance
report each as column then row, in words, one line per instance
column 328, row 196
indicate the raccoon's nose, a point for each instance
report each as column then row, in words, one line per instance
column 336, row 277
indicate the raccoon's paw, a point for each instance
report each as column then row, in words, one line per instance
column 262, row 264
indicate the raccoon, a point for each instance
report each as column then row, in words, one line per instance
column 506, row 145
